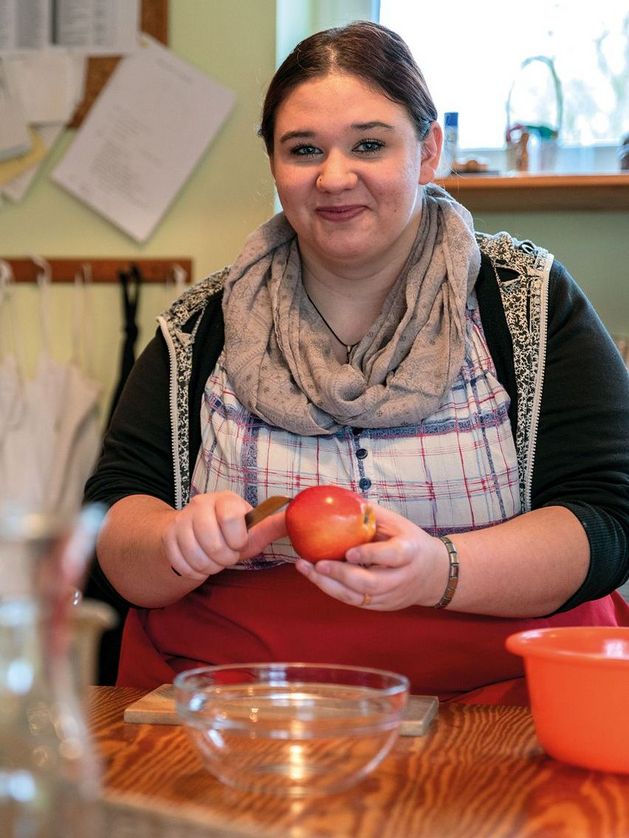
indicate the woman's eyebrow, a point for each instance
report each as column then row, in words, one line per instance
column 292, row 135
column 355, row 126
column 367, row 126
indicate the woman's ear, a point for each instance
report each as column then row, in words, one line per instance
column 431, row 152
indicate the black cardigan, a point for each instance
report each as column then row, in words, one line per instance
column 582, row 453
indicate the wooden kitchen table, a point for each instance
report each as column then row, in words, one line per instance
column 478, row 772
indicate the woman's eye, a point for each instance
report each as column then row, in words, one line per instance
column 369, row 146
column 305, row 151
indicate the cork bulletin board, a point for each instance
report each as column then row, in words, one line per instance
column 153, row 21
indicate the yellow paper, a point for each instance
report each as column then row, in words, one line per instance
column 10, row 169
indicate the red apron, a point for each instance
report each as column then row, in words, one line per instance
column 277, row 615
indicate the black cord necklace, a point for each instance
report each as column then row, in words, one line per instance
column 348, row 346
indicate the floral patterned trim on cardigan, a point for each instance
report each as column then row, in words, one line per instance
column 525, row 302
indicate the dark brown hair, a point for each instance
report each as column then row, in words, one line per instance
column 368, row 50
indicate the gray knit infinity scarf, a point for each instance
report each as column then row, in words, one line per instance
column 279, row 357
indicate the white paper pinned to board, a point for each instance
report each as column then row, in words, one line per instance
column 143, row 137
column 97, row 27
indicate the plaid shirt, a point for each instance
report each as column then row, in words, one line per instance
column 454, row 471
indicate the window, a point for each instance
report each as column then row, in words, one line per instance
column 544, row 63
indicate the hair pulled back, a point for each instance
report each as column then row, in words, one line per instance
column 377, row 55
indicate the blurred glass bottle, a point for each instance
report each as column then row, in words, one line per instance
column 49, row 773
column 623, row 154
column 534, row 115
column 450, row 143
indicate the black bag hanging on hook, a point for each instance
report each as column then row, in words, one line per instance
column 130, row 283
column 96, row 586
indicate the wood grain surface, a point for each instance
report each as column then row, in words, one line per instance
column 478, row 772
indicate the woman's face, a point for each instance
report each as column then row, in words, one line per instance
column 348, row 169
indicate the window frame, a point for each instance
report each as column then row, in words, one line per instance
column 567, row 188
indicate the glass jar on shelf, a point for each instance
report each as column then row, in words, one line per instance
column 534, row 115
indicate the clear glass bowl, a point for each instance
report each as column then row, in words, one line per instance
column 292, row 729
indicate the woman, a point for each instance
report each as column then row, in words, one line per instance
column 368, row 338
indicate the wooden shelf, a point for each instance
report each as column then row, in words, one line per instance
column 524, row 192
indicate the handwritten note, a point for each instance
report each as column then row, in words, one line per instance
column 142, row 138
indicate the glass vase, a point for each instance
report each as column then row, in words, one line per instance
column 49, row 771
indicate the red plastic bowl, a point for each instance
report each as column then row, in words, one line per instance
column 578, row 683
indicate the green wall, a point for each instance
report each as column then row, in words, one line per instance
column 231, row 191
column 594, row 246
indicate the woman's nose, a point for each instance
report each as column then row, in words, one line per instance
column 336, row 174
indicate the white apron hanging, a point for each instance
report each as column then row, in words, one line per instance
column 50, row 444
column 78, row 432
column 11, row 372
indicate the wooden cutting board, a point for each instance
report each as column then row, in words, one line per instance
column 158, row 708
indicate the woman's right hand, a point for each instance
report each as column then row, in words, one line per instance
column 209, row 535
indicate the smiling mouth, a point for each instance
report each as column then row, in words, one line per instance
column 340, row 213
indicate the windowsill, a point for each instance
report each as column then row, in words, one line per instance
column 524, row 192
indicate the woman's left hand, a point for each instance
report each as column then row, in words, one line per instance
column 402, row 566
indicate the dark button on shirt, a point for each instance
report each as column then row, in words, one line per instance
column 364, row 483
column 361, row 453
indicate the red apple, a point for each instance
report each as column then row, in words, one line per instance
column 323, row 522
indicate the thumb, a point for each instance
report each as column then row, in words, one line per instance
column 262, row 534
column 388, row 523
